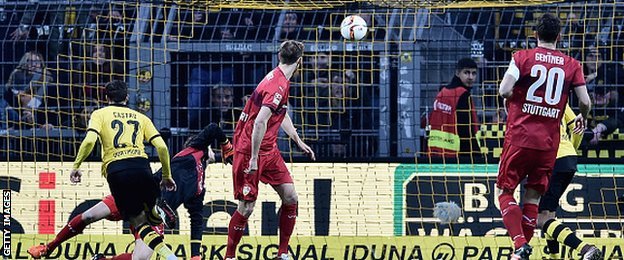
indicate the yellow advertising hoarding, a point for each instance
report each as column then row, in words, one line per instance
column 352, row 248
column 360, row 198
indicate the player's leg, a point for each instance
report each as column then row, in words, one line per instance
column 511, row 172
column 278, row 176
column 141, row 251
column 195, row 207
column 287, row 214
column 565, row 168
column 530, row 202
column 75, row 226
column 563, row 173
column 245, row 191
column 135, row 192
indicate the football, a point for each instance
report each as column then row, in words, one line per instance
column 353, row 28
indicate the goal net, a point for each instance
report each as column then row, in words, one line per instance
column 363, row 106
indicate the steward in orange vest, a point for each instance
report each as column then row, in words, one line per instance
column 453, row 123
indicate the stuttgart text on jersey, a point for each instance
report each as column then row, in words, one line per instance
column 540, row 110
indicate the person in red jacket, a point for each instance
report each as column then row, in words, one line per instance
column 453, row 122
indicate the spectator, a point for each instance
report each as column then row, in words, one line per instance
column 453, row 122
column 290, row 27
column 42, row 22
column 198, row 89
column 192, row 26
column 319, row 67
column 222, row 104
column 105, row 23
column 97, row 70
column 29, row 78
column 27, row 88
column 602, row 81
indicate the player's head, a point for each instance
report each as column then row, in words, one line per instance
column 548, row 28
column 117, row 91
column 203, row 139
column 466, row 71
column 290, row 52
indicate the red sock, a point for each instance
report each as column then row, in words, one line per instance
column 512, row 218
column 126, row 256
column 287, row 219
column 235, row 232
column 529, row 220
column 73, row 228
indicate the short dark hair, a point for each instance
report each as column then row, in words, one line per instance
column 466, row 63
column 548, row 28
column 117, row 91
column 290, row 51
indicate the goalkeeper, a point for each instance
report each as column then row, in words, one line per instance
column 188, row 168
column 563, row 172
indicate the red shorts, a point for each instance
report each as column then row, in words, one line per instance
column 517, row 163
column 114, row 212
column 271, row 170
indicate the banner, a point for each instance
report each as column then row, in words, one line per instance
column 326, row 248
column 592, row 205
column 334, row 199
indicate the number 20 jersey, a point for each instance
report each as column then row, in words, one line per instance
column 544, row 80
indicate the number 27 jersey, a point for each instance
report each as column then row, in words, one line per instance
column 544, row 80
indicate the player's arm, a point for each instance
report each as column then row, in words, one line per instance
column 93, row 131
column 259, row 129
column 291, row 131
column 509, row 80
column 584, row 100
column 153, row 136
column 85, row 148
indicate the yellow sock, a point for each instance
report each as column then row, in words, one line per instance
column 563, row 234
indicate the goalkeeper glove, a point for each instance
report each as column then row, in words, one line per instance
column 227, row 152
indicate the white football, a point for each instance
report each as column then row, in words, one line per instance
column 353, row 28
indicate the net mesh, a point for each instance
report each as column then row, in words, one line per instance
column 190, row 63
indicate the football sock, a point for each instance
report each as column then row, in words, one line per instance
column 512, row 218
column 235, row 233
column 125, row 256
column 155, row 241
column 563, row 234
column 552, row 245
column 529, row 220
column 73, row 228
column 287, row 219
column 195, row 247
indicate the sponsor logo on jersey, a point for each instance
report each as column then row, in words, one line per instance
column 277, row 98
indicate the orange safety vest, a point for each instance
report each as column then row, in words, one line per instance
column 444, row 139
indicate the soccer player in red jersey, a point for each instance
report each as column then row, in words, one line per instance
column 256, row 155
column 536, row 87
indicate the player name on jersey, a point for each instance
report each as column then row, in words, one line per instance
column 540, row 110
column 123, row 115
column 548, row 58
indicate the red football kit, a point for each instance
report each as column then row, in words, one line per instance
column 272, row 92
column 535, row 108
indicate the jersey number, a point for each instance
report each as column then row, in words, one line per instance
column 554, row 84
column 118, row 124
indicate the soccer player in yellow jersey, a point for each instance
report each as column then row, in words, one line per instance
column 563, row 172
column 125, row 166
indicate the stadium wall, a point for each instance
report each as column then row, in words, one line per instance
column 339, row 215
